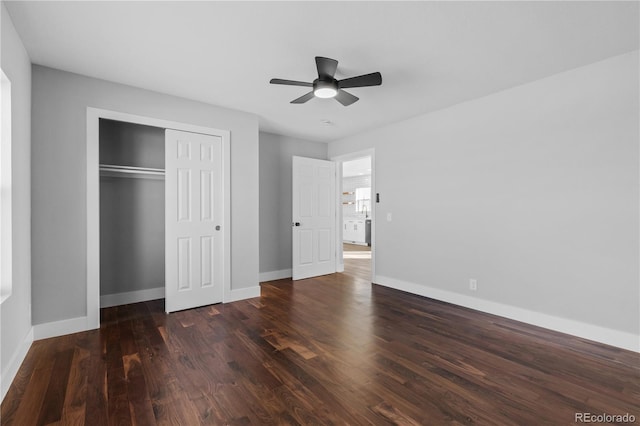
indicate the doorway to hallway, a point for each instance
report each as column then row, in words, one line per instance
column 357, row 206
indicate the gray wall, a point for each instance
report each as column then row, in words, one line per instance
column 275, row 207
column 15, row 312
column 59, row 210
column 532, row 191
column 131, row 144
column 131, row 210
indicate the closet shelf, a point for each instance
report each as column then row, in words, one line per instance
column 113, row 170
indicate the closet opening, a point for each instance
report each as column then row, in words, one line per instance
column 132, row 212
column 158, row 213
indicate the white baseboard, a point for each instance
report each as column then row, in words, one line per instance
column 241, row 294
column 60, row 328
column 117, row 299
column 14, row 364
column 355, row 243
column 275, row 275
column 596, row 333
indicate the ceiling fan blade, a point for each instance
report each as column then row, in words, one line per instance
column 326, row 67
column 373, row 79
column 302, row 99
column 345, row 98
column 290, row 82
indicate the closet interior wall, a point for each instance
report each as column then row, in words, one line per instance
column 132, row 209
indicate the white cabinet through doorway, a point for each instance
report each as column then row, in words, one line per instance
column 353, row 231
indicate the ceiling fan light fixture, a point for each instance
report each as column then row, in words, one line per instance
column 325, row 92
column 325, row 89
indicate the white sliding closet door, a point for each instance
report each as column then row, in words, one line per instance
column 194, row 220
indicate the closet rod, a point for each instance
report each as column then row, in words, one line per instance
column 112, row 168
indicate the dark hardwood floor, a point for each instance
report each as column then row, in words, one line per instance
column 330, row 350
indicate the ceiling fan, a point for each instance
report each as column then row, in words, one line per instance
column 326, row 86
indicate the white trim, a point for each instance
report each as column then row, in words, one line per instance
column 6, row 195
column 117, row 299
column 339, row 218
column 241, row 294
column 339, row 159
column 620, row 339
column 226, row 218
column 154, row 122
column 275, row 275
column 60, row 328
column 93, row 218
column 14, row 364
column 93, row 198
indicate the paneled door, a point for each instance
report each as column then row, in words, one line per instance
column 193, row 220
column 314, row 217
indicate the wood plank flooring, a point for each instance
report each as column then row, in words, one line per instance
column 355, row 247
column 354, row 267
column 330, row 350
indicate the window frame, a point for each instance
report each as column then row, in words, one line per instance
column 6, row 240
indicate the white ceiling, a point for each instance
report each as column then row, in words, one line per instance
column 358, row 167
column 431, row 54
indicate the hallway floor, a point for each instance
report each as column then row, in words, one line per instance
column 357, row 261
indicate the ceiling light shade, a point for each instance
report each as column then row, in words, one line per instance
column 325, row 89
column 325, row 92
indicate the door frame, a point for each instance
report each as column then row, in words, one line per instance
column 339, row 159
column 93, row 198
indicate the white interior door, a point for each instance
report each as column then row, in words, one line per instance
column 314, row 217
column 194, row 220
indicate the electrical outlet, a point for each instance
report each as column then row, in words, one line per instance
column 473, row 284
column 388, row 217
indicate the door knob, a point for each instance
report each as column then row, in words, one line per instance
column 217, row 227
column 296, row 223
